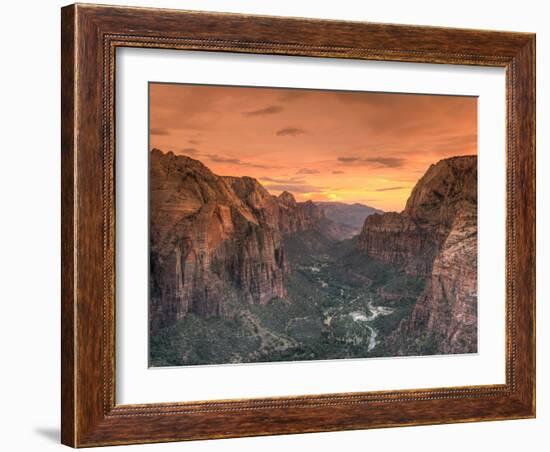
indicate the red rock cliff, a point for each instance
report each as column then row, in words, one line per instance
column 215, row 238
column 206, row 243
column 435, row 237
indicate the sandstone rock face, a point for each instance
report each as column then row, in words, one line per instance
column 397, row 239
column 435, row 237
column 281, row 212
column 205, row 243
column 296, row 217
column 216, row 238
column 448, row 307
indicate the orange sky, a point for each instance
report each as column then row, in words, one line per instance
column 321, row 145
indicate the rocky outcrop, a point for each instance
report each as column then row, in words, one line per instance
column 434, row 237
column 444, row 319
column 297, row 216
column 216, row 239
column 281, row 212
column 395, row 238
column 206, row 244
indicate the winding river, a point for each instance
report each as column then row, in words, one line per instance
column 375, row 312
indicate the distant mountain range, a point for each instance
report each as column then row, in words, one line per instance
column 352, row 215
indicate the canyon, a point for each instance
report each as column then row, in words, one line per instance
column 218, row 237
column 240, row 275
column 434, row 237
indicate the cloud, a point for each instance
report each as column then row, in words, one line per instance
column 388, row 162
column 269, row 110
column 181, row 107
column 290, row 131
column 159, row 131
column 216, row 158
column 307, row 171
column 278, row 180
column 191, row 151
column 390, row 188
column 234, row 161
column 193, row 141
column 349, row 159
column 456, row 143
column 338, row 172
column 292, row 188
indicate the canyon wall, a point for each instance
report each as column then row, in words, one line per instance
column 434, row 237
column 214, row 239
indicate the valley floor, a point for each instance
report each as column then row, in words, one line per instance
column 340, row 305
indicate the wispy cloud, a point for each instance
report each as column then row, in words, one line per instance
column 295, row 188
column 234, row 161
column 349, row 159
column 194, row 142
column 338, row 172
column 390, row 188
column 290, row 131
column 218, row 159
column 280, row 180
column 191, row 151
column 456, row 143
column 159, row 131
column 388, row 162
column 307, row 171
column 269, row 110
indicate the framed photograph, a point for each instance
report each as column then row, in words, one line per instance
column 282, row 225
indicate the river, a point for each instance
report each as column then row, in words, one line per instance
column 374, row 312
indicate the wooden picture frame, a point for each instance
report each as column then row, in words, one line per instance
column 90, row 36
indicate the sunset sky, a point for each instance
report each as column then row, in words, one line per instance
column 344, row 146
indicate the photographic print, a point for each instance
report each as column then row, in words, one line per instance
column 296, row 224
